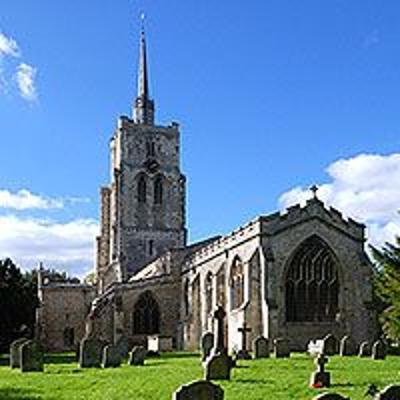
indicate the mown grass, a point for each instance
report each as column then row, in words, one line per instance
column 276, row 379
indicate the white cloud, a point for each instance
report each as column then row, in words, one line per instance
column 24, row 199
column 25, row 77
column 365, row 187
column 8, row 46
column 66, row 246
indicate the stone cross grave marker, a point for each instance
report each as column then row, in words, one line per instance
column 220, row 315
column 261, row 347
column 15, row 348
column 347, row 346
column 378, row 350
column 391, row 392
column 218, row 366
column 111, row 356
column 243, row 354
column 31, row 357
column 320, row 377
column 281, row 348
column 137, row 356
column 91, row 353
column 199, row 390
column 207, row 343
column 365, row 350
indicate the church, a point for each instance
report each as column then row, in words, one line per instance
column 299, row 274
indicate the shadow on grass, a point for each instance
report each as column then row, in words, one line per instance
column 256, row 381
column 18, row 394
column 180, row 355
column 53, row 358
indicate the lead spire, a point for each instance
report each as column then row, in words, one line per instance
column 144, row 106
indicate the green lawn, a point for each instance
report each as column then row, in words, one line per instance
column 252, row 380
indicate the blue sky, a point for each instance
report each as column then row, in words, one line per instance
column 272, row 96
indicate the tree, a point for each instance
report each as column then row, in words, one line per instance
column 387, row 287
column 18, row 302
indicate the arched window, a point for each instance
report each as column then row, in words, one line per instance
column 158, row 190
column 146, row 315
column 312, row 286
column 142, row 189
column 237, row 283
column 209, row 289
column 221, row 287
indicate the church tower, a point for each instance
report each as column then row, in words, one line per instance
column 143, row 209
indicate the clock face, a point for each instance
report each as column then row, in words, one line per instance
column 152, row 166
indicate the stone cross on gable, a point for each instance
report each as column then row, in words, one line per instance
column 244, row 330
column 219, row 315
column 314, row 189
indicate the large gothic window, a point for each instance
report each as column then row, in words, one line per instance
column 221, row 287
column 312, row 285
column 146, row 315
column 158, row 190
column 141, row 189
column 237, row 283
column 209, row 292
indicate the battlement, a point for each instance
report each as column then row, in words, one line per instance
column 126, row 123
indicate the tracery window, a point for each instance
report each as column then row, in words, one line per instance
column 221, row 287
column 209, row 290
column 237, row 283
column 146, row 315
column 312, row 284
column 142, row 189
column 158, row 190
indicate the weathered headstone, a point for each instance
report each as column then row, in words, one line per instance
column 261, row 347
column 320, row 377
column 31, row 357
column 365, row 350
column 281, row 348
column 243, row 353
column 122, row 345
column 330, row 396
column 207, row 343
column 347, row 346
column 391, row 392
column 378, row 350
column 199, row 390
column 159, row 343
column 91, row 353
column 315, row 347
column 331, row 345
column 15, row 352
column 137, row 356
column 111, row 357
column 218, row 366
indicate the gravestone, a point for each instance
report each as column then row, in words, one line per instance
column 159, row 343
column 31, row 357
column 320, row 377
column 15, row 352
column 243, row 353
column 315, row 347
column 219, row 315
column 281, row 348
column 218, row 366
column 91, row 353
column 379, row 350
column 330, row 396
column 199, row 390
column 347, row 346
column 122, row 345
column 111, row 357
column 207, row 343
column 261, row 347
column 391, row 392
column 331, row 345
column 137, row 356
column 365, row 350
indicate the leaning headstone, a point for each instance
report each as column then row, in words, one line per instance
column 281, row 348
column 137, row 356
column 243, row 353
column 261, row 347
column 31, row 357
column 378, row 350
column 207, row 343
column 91, row 353
column 320, row 378
column 218, row 366
column 347, row 346
column 15, row 352
column 122, row 345
column 330, row 396
column 365, row 350
column 331, row 345
column 391, row 392
column 111, row 357
column 199, row 390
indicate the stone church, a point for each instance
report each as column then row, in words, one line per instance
column 299, row 274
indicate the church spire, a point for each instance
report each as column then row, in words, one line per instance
column 144, row 106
